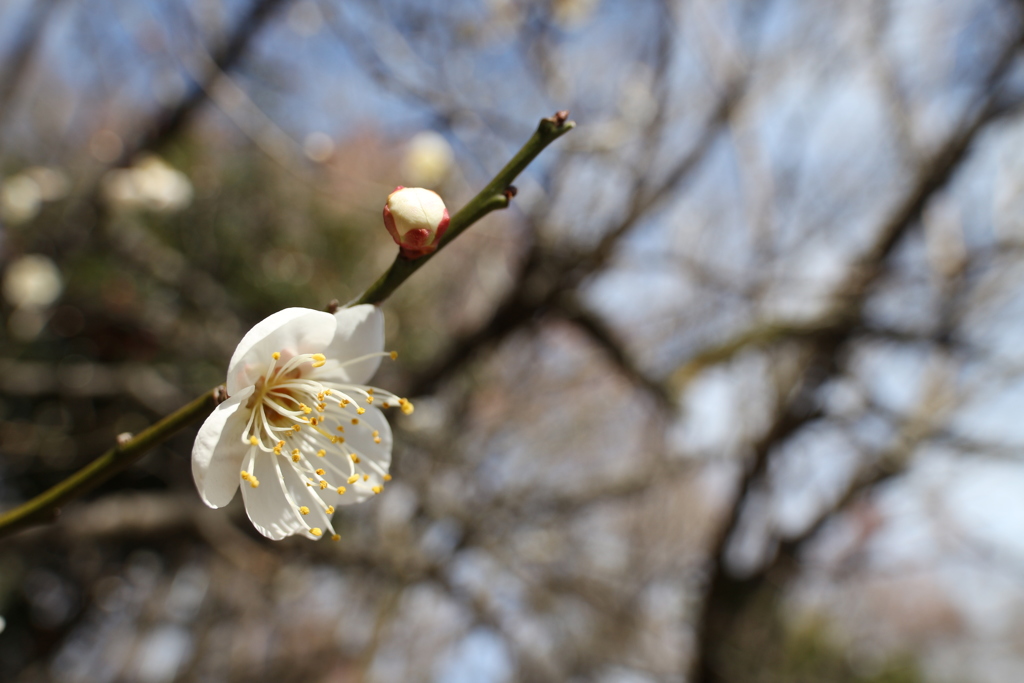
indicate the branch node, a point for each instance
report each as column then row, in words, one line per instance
column 559, row 118
column 511, row 192
column 124, row 437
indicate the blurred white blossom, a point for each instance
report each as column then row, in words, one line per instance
column 32, row 281
column 20, row 199
column 428, row 159
column 150, row 184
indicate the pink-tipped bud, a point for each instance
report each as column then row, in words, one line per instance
column 416, row 219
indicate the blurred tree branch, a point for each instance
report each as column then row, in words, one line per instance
column 724, row 596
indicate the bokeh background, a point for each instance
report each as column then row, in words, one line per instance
column 732, row 393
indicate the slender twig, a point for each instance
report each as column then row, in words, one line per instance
column 495, row 196
column 46, row 506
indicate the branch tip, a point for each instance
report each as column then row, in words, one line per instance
column 333, row 306
column 511, row 192
column 220, row 394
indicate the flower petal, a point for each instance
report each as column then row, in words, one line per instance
column 359, row 332
column 308, row 496
column 267, row 506
column 294, row 330
column 218, row 451
column 359, row 439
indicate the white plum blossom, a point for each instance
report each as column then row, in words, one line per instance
column 300, row 432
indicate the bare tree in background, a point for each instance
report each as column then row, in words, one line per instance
column 729, row 394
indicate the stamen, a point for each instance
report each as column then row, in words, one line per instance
column 335, row 537
column 276, row 355
column 330, row 510
column 377, row 489
column 355, row 458
column 387, row 477
column 323, row 484
column 321, row 453
column 316, row 531
column 321, row 472
column 353, row 479
column 394, row 355
column 254, row 441
column 360, row 409
column 341, row 490
column 355, row 420
column 304, row 510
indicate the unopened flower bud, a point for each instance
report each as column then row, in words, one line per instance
column 416, row 219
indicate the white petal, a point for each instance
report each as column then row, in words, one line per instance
column 359, row 439
column 294, row 330
column 307, row 495
column 360, row 331
column 267, row 507
column 218, row 451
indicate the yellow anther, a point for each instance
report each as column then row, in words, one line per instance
column 304, row 408
column 330, row 510
column 340, row 428
column 362, row 410
column 355, row 458
column 369, row 390
column 327, row 392
column 355, row 420
column 353, row 479
column 319, row 360
column 245, row 475
column 366, row 477
column 254, row 482
column 394, row 355
column 297, row 427
column 376, row 439
column 253, row 440
column 280, row 444
column 316, row 531
column 369, row 399
column 385, row 404
column 321, row 453
column 341, row 490
column 304, row 510
column 314, row 421
column 335, row 537
column 406, row 405
column 387, row 477
column 343, row 403
column 323, row 484
column 295, row 451
column 321, row 472
column 296, row 457
column 276, row 355
column 377, row 489
column 375, row 433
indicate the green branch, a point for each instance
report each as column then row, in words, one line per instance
column 46, row 506
column 495, row 196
